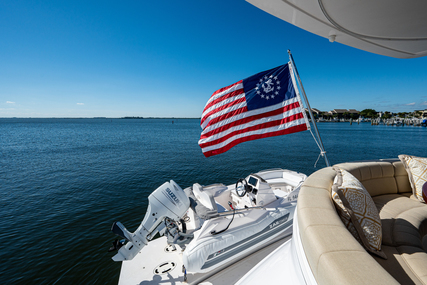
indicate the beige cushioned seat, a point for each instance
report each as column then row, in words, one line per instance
column 334, row 255
column 204, row 197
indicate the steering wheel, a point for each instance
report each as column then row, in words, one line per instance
column 241, row 187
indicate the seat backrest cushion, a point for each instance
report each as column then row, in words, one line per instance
column 402, row 179
column 378, row 177
column 204, row 197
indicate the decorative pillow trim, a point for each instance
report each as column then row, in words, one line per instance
column 359, row 229
column 348, row 216
column 415, row 164
column 345, row 217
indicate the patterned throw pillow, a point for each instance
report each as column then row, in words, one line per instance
column 358, row 212
column 417, row 172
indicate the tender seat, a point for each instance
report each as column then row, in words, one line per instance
column 335, row 256
column 204, row 210
column 204, row 197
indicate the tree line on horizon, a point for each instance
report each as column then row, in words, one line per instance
column 369, row 113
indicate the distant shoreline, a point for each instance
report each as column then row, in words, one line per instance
column 99, row 118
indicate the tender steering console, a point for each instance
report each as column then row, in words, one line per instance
column 242, row 187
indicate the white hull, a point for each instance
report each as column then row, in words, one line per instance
column 241, row 236
column 288, row 259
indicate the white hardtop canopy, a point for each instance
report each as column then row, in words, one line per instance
column 392, row 28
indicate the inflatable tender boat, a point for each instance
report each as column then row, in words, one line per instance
column 204, row 229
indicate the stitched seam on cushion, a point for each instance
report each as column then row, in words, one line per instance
column 316, row 187
column 343, row 250
column 377, row 178
column 405, row 226
column 322, row 225
column 400, row 213
column 396, row 216
column 411, row 179
column 374, row 164
column 380, row 178
column 410, row 267
column 329, row 225
column 401, row 175
column 325, row 209
column 413, row 215
column 391, row 213
column 336, row 226
column 311, row 207
column 360, row 174
column 402, row 229
column 393, row 240
column 397, row 184
column 415, row 236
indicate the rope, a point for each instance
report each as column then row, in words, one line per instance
column 322, row 153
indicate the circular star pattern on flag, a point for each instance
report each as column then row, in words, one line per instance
column 268, row 87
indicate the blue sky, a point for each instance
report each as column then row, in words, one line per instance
column 165, row 59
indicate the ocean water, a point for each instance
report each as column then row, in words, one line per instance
column 63, row 182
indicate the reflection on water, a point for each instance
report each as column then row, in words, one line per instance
column 65, row 181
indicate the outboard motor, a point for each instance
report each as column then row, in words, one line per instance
column 166, row 202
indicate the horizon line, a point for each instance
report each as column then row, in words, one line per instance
column 126, row 117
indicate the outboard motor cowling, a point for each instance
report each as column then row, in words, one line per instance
column 167, row 201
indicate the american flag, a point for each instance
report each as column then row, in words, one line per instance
column 264, row 105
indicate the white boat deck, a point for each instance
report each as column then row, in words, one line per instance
column 144, row 265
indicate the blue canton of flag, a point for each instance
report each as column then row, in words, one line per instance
column 268, row 87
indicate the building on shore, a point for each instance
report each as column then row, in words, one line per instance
column 353, row 111
column 422, row 112
column 343, row 111
column 316, row 112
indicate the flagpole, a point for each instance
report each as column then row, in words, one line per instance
column 322, row 148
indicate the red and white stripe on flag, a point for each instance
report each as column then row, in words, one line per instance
column 226, row 120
